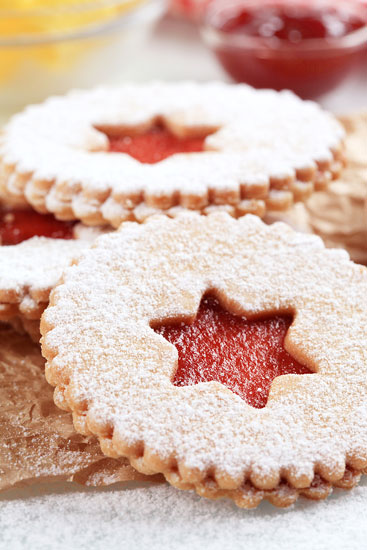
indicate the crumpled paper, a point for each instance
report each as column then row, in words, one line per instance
column 37, row 440
column 339, row 215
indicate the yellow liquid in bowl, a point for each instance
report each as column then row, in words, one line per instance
column 53, row 24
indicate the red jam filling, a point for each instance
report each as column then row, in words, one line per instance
column 155, row 145
column 243, row 355
column 281, row 53
column 19, row 225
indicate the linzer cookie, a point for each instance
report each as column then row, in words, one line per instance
column 226, row 354
column 109, row 155
column 339, row 215
column 28, row 272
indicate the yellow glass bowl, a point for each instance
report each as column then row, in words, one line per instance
column 50, row 46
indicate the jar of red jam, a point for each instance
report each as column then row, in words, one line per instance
column 306, row 46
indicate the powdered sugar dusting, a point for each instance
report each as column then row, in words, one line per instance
column 120, row 368
column 29, row 270
column 35, row 265
column 160, row 517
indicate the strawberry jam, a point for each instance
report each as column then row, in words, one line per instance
column 155, row 145
column 243, row 355
column 308, row 47
column 19, row 225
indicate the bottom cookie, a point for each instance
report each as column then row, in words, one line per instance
column 282, row 496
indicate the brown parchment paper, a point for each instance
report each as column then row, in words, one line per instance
column 339, row 215
column 37, row 440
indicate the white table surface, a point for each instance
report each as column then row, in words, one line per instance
column 64, row 516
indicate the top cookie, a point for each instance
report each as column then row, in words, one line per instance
column 254, row 150
column 122, row 375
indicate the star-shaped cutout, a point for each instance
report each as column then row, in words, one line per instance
column 244, row 355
